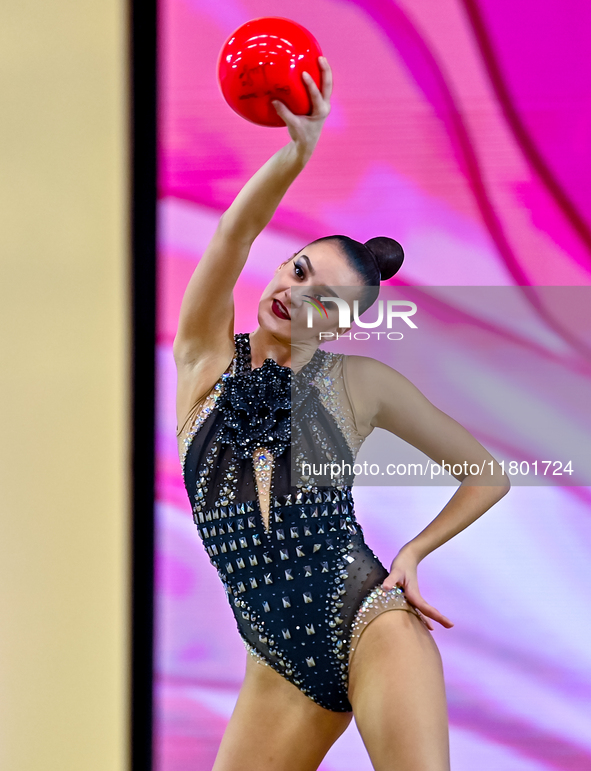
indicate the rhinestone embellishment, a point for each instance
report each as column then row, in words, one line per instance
column 263, row 469
column 291, row 557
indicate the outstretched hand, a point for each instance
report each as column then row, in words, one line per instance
column 403, row 573
column 305, row 129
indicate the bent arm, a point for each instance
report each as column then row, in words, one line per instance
column 386, row 399
column 392, row 402
column 206, row 316
column 207, row 312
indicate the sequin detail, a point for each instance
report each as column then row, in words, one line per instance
column 378, row 601
column 262, row 461
column 318, row 440
column 296, row 577
column 208, row 407
column 329, row 397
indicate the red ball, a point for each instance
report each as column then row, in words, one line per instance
column 264, row 60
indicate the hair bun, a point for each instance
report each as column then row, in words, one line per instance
column 388, row 253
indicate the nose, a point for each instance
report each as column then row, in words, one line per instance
column 287, row 298
column 295, row 300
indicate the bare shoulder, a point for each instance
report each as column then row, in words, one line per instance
column 371, row 375
column 366, row 365
column 374, row 386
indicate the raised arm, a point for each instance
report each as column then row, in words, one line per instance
column 205, row 330
column 386, row 399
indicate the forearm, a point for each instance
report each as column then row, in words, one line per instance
column 207, row 311
column 255, row 204
column 469, row 502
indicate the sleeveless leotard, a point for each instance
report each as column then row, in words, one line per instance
column 301, row 581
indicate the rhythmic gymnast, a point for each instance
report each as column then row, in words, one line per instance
column 313, row 604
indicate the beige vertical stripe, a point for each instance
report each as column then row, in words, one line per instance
column 64, row 346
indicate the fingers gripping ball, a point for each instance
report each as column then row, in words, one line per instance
column 264, row 60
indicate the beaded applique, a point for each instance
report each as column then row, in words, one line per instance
column 256, row 410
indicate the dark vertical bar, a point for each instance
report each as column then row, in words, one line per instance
column 143, row 232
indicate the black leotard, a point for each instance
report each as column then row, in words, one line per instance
column 295, row 586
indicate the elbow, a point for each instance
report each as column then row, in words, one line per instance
column 500, row 480
column 504, row 486
column 223, row 221
column 239, row 232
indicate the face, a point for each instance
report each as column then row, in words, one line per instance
column 318, row 270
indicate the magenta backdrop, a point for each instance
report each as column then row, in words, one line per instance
column 463, row 129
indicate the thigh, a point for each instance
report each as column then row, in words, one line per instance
column 397, row 691
column 275, row 727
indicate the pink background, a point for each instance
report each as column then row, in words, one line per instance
column 463, row 129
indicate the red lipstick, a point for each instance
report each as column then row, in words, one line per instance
column 280, row 310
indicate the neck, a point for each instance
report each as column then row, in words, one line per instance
column 264, row 345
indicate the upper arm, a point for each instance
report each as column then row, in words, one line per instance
column 207, row 310
column 204, row 343
column 206, row 319
column 393, row 403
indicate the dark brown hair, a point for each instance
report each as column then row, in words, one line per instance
column 376, row 260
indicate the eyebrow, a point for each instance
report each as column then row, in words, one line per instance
column 310, row 268
column 313, row 273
